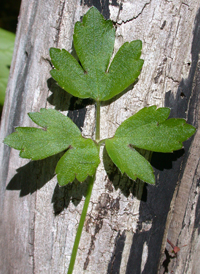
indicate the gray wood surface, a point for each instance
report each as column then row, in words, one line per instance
column 128, row 223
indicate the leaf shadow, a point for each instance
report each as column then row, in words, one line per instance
column 121, row 181
column 62, row 100
column 34, row 175
column 71, row 192
column 138, row 188
column 162, row 161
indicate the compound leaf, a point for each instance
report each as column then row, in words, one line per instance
column 80, row 161
column 148, row 129
column 94, row 43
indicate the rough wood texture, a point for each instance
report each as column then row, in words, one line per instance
column 128, row 224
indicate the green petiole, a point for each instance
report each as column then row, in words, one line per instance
column 97, row 136
column 87, row 198
column 81, row 224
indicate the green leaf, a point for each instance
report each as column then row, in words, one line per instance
column 36, row 144
column 69, row 74
column 128, row 160
column 7, row 40
column 148, row 129
column 94, row 43
column 124, row 69
column 58, row 133
column 80, row 161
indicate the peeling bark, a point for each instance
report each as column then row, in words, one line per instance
column 128, row 222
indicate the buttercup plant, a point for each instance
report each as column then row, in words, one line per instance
column 95, row 77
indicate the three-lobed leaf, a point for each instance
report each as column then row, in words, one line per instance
column 148, row 129
column 93, row 77
column 58, row 133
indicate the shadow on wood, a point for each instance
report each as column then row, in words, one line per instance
column 34, row 175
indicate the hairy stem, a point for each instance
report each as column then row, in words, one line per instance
column 97, row 137
column 81, row 224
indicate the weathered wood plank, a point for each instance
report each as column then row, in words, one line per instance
column 125, row 230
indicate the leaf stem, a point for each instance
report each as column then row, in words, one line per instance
column 97, row 137
column 102, row 142
column 87, row 198
column 81, row 224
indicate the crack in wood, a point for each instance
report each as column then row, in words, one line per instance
column 60, row 17
column 134, row 17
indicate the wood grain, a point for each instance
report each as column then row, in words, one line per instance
column 128, row 223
